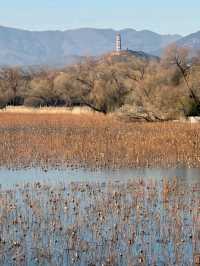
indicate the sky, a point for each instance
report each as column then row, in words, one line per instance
column 167, row 16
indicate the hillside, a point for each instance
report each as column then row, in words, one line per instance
column 191, row 41
column 22, row 47
column 127, row 56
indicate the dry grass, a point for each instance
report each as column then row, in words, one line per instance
column 47, row 110
column 56, row 140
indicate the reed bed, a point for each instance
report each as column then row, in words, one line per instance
column 95, row 141
column 138, row 222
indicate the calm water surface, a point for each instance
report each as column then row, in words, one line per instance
column 9, row 178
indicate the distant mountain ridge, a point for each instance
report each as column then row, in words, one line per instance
column 59, row 48
column 191, row 41
column 23, row 47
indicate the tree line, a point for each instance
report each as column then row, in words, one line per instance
column 168, row 87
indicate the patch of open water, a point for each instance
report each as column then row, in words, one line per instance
column 9, row 178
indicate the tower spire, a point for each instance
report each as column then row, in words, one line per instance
column 118, row 43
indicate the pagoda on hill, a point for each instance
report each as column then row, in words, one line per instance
column 118, row 43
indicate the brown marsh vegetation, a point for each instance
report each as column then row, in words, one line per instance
column 95, row 141
column 138, row 222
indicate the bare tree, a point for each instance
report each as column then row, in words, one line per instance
column 179, row 56
column 14, row 78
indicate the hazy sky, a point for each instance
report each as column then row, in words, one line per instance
column 163, row 16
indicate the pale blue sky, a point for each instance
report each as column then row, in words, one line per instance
column 172, row 16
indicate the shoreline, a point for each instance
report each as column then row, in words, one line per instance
column 48, row 110
column 81, row 111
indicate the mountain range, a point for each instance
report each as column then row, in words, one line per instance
column 58, row 48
